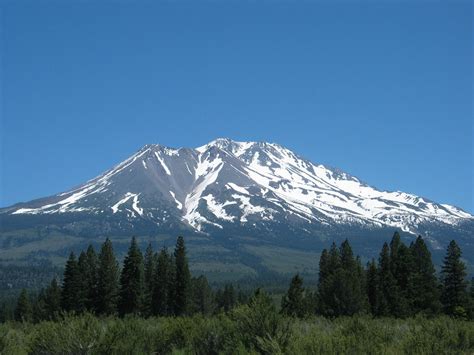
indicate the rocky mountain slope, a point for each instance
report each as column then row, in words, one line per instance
column 235, row 189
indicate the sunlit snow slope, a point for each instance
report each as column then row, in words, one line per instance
column 225, row 184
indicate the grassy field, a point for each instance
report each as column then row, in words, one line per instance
column 240, row 332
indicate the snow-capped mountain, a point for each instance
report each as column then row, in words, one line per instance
column 229, row 185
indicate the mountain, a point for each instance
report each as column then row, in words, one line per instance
column 235, row 190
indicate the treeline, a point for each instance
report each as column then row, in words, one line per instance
column 153, row 284
column 401, row 284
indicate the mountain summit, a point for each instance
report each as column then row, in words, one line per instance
column 253, row 184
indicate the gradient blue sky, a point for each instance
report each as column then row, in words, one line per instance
column 382, row 91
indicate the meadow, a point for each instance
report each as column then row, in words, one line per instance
column 242, row 331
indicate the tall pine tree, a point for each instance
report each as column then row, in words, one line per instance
column 148, row 278
column 202, row 297
column 52, row 300
column 387, row 295
column 423, row 290
column 398, row 257
column 131, row 281
column 342, row 289
column 72, row 283
column 454, row 285
column 293, row 303
column 91, row 278
column 182, row 279
column 108, row 280
column 372, row 286
column 161, row 301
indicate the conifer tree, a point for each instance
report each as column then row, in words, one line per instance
column 131, row 281
column 334, row 258
column 387, row 286
column 182, row 279
column 400, row 270
column 89, row 269
column 83, row 290
column 342, row 290
column 202, row 296
column 108, row 278
column 293, row 303
column 423, row 290
column 148, row 277
column 72, row 283
column 52, row 300
column 23, row 309
column 372, row 286
column 161, row 301
column 454, row 285
column 323, row 267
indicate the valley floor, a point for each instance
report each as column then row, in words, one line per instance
column 238, row 332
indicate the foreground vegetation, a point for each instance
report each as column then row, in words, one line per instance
column 252, row 328
column 152, row 304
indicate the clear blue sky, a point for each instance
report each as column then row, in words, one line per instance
column 382, row 91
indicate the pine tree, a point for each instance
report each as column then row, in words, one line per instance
column 423, row 290
column 202, row 296
column 387, row 295
column 83, row 291
column 400, row 268
column 148, row 278
column 108, row 277
column 334, row 258
column 23, row 309
column 72, row 283
column 342, row 290
column 323, row 267
column 372, row 286
column 89, row 269
column 454, row 285
column 161, row 301
column 52, row 300
column 182, row 279
column 293, row 303
column 131, row 281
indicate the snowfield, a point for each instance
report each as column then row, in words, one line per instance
column 227, row 182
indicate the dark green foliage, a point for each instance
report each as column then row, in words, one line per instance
column 323, row 266
column 454, row 285
column 226, row 298
column 108, row 280
column 387, row 295
column 423, row 290
column 163, row 284
column 23, row 309
column 148, row 278
column 342, row 290
column 401, row 268
column 48, row 305
column 72, row 286
column 181, row 285
column 90, row 273
column 372, row 286
column 294, row 303
column 131, row 281
column 202, row 298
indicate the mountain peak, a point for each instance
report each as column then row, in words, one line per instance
column 227, row 181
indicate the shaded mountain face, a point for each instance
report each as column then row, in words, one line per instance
column 235, row 189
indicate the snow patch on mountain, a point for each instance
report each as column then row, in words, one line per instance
column 226, row 181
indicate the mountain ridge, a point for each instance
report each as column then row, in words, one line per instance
column 289, row 183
